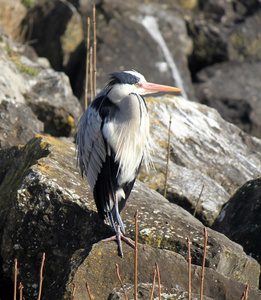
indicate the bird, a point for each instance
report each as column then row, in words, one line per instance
column 113, row 140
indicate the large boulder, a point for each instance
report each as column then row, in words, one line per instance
column 33, row 97
column 56, row 29
column 173, row 275
column 129, row 36
column 240, row 218
column 12, row 13
column 235, row 94
column 204, row 149
column 51, row 99
column 46, row 207
column 18, row 123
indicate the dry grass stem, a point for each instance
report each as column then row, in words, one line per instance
column 153, row 284
column 136, row 257
column 243, row 296
column 41, row 277
column 21, row 290
column 203, row 263
column 74, row 290
column 91, row 72
column 88, row 290
column 246, row 292
column 189, row 270
column 119, row 277
column 87, row 62
column 15, row 278
column 158, row 274
column 94, row 50
column 168, row 157
column 200, row 194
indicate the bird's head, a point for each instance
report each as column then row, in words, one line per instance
column 126, row 82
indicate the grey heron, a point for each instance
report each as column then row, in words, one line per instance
column 112, row 141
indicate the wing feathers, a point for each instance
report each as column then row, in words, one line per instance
column 90, row 144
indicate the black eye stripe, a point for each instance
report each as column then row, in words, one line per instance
column 123, row 77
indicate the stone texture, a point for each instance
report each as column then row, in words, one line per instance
column 205, row 149
column 46, row 207
column 18, row 123
column 238, row 100
column 33, row 97
column 53, row 102
column 11, row 14
column 239, row 218
column 173, row 273
column 55, row 27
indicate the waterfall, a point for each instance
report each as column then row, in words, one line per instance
column 151, row 25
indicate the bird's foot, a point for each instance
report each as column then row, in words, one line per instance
column 118, row 237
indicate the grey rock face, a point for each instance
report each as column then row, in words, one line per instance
column 240, row 218
column 205, row 149
column 237, row 100
column 44, row 208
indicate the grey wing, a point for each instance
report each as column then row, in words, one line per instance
column 91, row 151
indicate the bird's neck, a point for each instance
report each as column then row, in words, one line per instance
column 118, row 92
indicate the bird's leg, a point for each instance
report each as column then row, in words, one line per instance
column 119, row 235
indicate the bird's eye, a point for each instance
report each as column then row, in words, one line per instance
column 137, row 84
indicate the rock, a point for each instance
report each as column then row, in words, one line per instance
column 54, row 40
column 18, row 123
column 239, row 218
column 209, row 45
column 46, row 207
column 33, row 97
column 205, row 149
column 223, row 31
column 225, row 12
column 53, row 102
column 11, row 14
column 124, row 42
column 47, row 192
column 244, row 40
column 12, row 83
column 238, row 99
column 173, row 275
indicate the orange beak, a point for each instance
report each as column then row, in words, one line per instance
column 153, row 87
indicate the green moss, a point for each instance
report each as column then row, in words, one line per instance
column 16, row 60
column 28, row 3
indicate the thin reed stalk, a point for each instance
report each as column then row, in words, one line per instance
column 87, row 62
column 200, row 194
column 136, row 257
column 246, row 292
column 189, row 270
column 153, row 284
column 15, row 278
column 158, row 274
column 91, row 72
column 21, row 290
column 41, row 277
column 74, row 290
column 203, row 263
column 119, row 277
column 94, row 50
column 168, row 157
column 88, row 290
